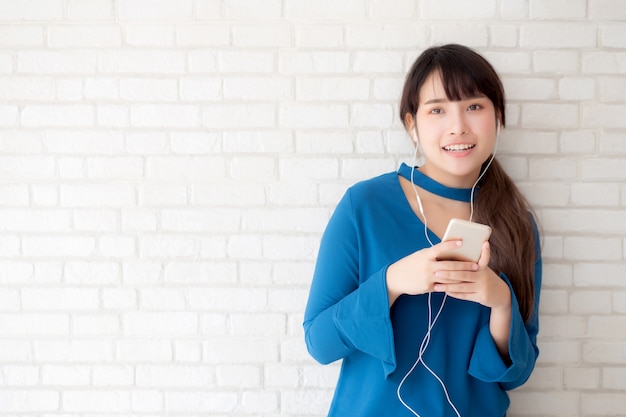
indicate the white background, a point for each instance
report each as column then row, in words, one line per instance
column 167, row 168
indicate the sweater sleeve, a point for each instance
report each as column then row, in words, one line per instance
column 486, row 363
column 346, row 312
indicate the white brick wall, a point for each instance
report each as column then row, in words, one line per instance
column 167, row 168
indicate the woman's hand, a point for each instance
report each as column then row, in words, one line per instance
column 483, row 286
column 478, row 284
column 417, row 273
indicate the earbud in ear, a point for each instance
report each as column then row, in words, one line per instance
column 414, row 134
column 497, row 126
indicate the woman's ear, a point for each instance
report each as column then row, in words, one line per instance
column 409, row 122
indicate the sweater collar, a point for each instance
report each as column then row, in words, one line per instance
column 432, row 186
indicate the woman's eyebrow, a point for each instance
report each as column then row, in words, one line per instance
column 444, row 100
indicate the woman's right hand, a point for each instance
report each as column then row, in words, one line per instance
column 415, row 274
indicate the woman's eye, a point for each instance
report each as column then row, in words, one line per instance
column 474, row 107
column 436, row 111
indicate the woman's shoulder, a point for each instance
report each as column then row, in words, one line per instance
column 375, row 186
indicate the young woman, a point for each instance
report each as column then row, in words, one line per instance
column 420, row 336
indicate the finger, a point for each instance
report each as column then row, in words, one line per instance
column 446, row 246
column 485, row 255
column 456, row 288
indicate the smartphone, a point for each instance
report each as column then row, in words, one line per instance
column 473, row 236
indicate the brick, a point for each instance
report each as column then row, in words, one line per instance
column 239, row 62
column 66, row 375
column 603, row 62
column 456, row 10
column 32, row 10
column 378, row 62
column 590, row 302
column 287, row 220
column 601, row 352
column 97, row 195
column 96, row 401
column 200, row 402
column 610, row 89
column 614, row 378
column 593, row 249
column 595, row 194
column 157, row 324
column 81, row 10
column 322, row 62
column 262, row 35
column 20, row 376
column 142, row 10
column 578, row 142
column 101, row 325
column 167, row 246
column 57, row 116
column 201, row 89
column 238, row 350
column 233, row 299
column 214, row 35
column 505, row 36
column 443, row 33
column 550, row 115
column 147, row 401
column 150, row 34
column 14, row 36
column 141, row 273
column 162, row 299
column 175, row 376
column 325, row 10
column 579, row 378
column 84, row 36
column 26, row 324
column 56, row 62
column 601, row 275
column 399, row 9
column 396, row 35
column 142, row 89
column 66, row 299
column 143, row 350
column 603, row 115
column 260, row 401
column 301, row 402
column 322, row 35
column 242, row 9
column 163, row 115
column 23, row 401
column 91, row 273
column 188, row 351
column 556, row 61
column 607, row 10
column 558, row 10
column 257, row 324
column 612, row 36
column 603, row 169
column 239, row 116
column 553, row 302
column 113, row 375
column 257, row 88
column 602, row 403
column 246, row 376
column 16, row 351
column 558, row 35
column 122, row 61
column 545, row 403
column 58, row 246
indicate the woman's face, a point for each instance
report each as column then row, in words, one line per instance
column 456, row 137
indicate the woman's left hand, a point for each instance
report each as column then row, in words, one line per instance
column 481, row 285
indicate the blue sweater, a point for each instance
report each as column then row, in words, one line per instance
column 348, row 317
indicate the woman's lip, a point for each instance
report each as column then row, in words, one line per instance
column 458, row 147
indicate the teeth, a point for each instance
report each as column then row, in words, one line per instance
column 457, row 148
